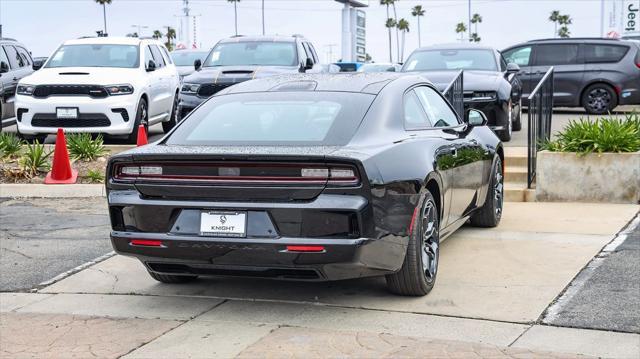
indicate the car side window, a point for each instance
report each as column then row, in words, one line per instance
column 167, row 57
column 414, row 116
column 307, row 51
column 157, row 56
column 503, row 64
column 25, row 55
column 313, row 53
column 598, row 53
column 436, row 108
column 3, row 57
column 520, row 56
column 556, row 54
column 14, row 59
column 148, row 56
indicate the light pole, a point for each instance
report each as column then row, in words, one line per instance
column 140, row 27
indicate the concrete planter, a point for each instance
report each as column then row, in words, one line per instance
column 607, row 177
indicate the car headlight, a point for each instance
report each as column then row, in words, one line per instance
column 26, row 90
column 190, row 89
column 115, row 90
column 484, row 95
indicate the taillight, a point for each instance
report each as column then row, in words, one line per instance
column 307, row 249
column 145, row 243
column 252, row 173
column 638, row 59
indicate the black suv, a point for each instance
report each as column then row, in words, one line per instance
column 597, row 74
column 242, row 58
column 15, row 63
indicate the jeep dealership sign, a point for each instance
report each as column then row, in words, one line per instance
column 621, row 18
column 631, row 17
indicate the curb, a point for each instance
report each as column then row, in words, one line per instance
column 19, row 190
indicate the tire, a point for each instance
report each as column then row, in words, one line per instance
column 517, row 122
column 505, row 135
column 599, row 99
column 172, row 279
column 141, row 119
column 168, row 125
column 490, row 213
column 415, row 278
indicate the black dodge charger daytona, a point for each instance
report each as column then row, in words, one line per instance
column 490, row 84
column 308, row 177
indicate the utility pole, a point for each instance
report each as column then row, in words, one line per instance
column 469, row 26
column 262, row 17
column 185, row 38
column 601, row 18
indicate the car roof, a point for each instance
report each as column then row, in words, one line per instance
column 267, row 38
column 358, row 82
column 113, row 40
column 455, row 46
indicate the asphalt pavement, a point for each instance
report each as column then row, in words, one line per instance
column 608, row 297
column 42, row 238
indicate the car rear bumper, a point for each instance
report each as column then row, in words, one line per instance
column 629, row 96
column 265, row 258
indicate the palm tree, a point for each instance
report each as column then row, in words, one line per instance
column 389, row 24
column 171, row 34
column 555, row 15
column 564, row 20
column 461, row 28
column 104, row 12
column 403, row 26
column 235, row 12
column 474, row 37
column 132, row 34
column 395, row 17
column 417, row 11
column 475, row 20
column 157, row 34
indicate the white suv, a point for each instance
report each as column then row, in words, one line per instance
column 104, row 85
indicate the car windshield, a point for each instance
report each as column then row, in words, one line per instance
column 274, row 118
column 95, row 55
column 187, row 58
column 253, row 53
column 451, row 59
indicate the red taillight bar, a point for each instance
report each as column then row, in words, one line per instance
column 312, row 249
column 145, row 243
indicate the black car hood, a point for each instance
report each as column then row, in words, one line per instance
column 472, row 80
column 233, row 74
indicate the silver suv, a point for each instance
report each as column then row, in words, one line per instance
column 597, row 74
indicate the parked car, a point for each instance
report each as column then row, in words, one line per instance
column 310, row 177
column 185, row 60
column 15, row 63
column 595, row 73
column 242, row 58
column 380, row 67
column 489, row 83
column 104, row 85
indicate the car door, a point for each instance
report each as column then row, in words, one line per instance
column 17, row 70
column 165, row 90
column 466, row 156
column 521, row 56
column 153, row 84
column 568, row 70
column 7, row 88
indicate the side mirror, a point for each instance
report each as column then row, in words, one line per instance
column 4, row 67
column 308, row 65
column 151, row 66
column 197, row 64
column 37, row 65
column 475, row 118
column 512, row 68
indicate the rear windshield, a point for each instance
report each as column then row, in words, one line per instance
column 274, row 118
column 452, row 59
column 95, row 55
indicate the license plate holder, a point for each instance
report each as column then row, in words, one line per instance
column 67, row 113
column 223, row 224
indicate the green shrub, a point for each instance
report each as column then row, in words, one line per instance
column 35, row 159
column 95, row 176
column 10, row 144
column 82, row 146
column 602, row 135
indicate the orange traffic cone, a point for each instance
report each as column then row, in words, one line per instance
column 142, row 136
column 61, row 171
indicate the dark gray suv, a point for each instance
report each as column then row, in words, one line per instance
column 15, row 63
column 597, row 74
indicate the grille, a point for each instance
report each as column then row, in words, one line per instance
column 83, row 120
column 94, row 91
column 208, row 90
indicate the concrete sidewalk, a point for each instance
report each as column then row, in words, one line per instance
column 493, row 286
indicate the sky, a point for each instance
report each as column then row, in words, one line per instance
column 43, row 24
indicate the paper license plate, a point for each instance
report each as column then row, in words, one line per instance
column 223, row 224
column 65, row 112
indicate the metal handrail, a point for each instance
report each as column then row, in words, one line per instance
column 454, row 93
column 539, row 115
